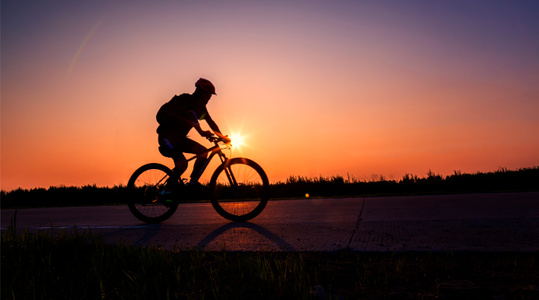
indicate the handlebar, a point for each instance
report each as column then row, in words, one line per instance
column 217, row 139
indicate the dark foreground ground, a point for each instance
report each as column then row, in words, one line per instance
column 475, row 246
column 78, row 266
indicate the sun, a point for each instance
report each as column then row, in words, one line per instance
column 237, row 140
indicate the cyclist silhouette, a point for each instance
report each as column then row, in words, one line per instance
column 176, row 118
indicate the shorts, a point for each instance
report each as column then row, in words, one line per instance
column 185, row 145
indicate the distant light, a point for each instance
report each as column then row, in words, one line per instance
column 307, row 195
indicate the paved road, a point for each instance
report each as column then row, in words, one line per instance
column 475, row 222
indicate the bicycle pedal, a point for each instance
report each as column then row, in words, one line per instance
column 168, row 202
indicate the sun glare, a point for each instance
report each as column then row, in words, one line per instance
column 237, row 140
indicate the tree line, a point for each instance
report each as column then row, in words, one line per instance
column 502, row 180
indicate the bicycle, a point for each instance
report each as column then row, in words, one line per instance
column 239, row 188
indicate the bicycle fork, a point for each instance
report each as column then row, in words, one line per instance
column 228, row 171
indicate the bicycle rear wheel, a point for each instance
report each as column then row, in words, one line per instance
column 148, row 199
column 240, row 189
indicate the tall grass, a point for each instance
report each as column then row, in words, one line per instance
column 79, row 265
column 502, row 180
column 526, row 179
column 64, row 196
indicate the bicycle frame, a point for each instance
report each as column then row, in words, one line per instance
column 236, row 197
column 213, row 151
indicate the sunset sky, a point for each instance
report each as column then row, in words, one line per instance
column 316, row 88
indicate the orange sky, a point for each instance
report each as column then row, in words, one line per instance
column 316, row 87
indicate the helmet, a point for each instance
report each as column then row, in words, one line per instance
column 205, row 85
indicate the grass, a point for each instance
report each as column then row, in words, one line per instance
column 57, row 264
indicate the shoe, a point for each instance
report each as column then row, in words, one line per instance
column 167, row 195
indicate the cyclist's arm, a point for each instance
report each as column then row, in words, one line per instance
column 213, row 125
column 194, row 122
column 202, row 132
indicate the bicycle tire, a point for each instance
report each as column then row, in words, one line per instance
column 146, row 201
column 242, row 201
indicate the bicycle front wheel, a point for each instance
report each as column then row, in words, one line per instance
column 148, row 199
column 240, row 189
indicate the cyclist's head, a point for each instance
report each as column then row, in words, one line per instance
column 206, row 86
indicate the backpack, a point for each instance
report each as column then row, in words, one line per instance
column 176, row 106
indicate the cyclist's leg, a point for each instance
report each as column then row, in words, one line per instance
column 172, row 150
column 191, row 146
column 180, row 165
column 175, row 146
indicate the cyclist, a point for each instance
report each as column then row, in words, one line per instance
column 176, row 118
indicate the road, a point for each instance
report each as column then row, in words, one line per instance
column 470, row 222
